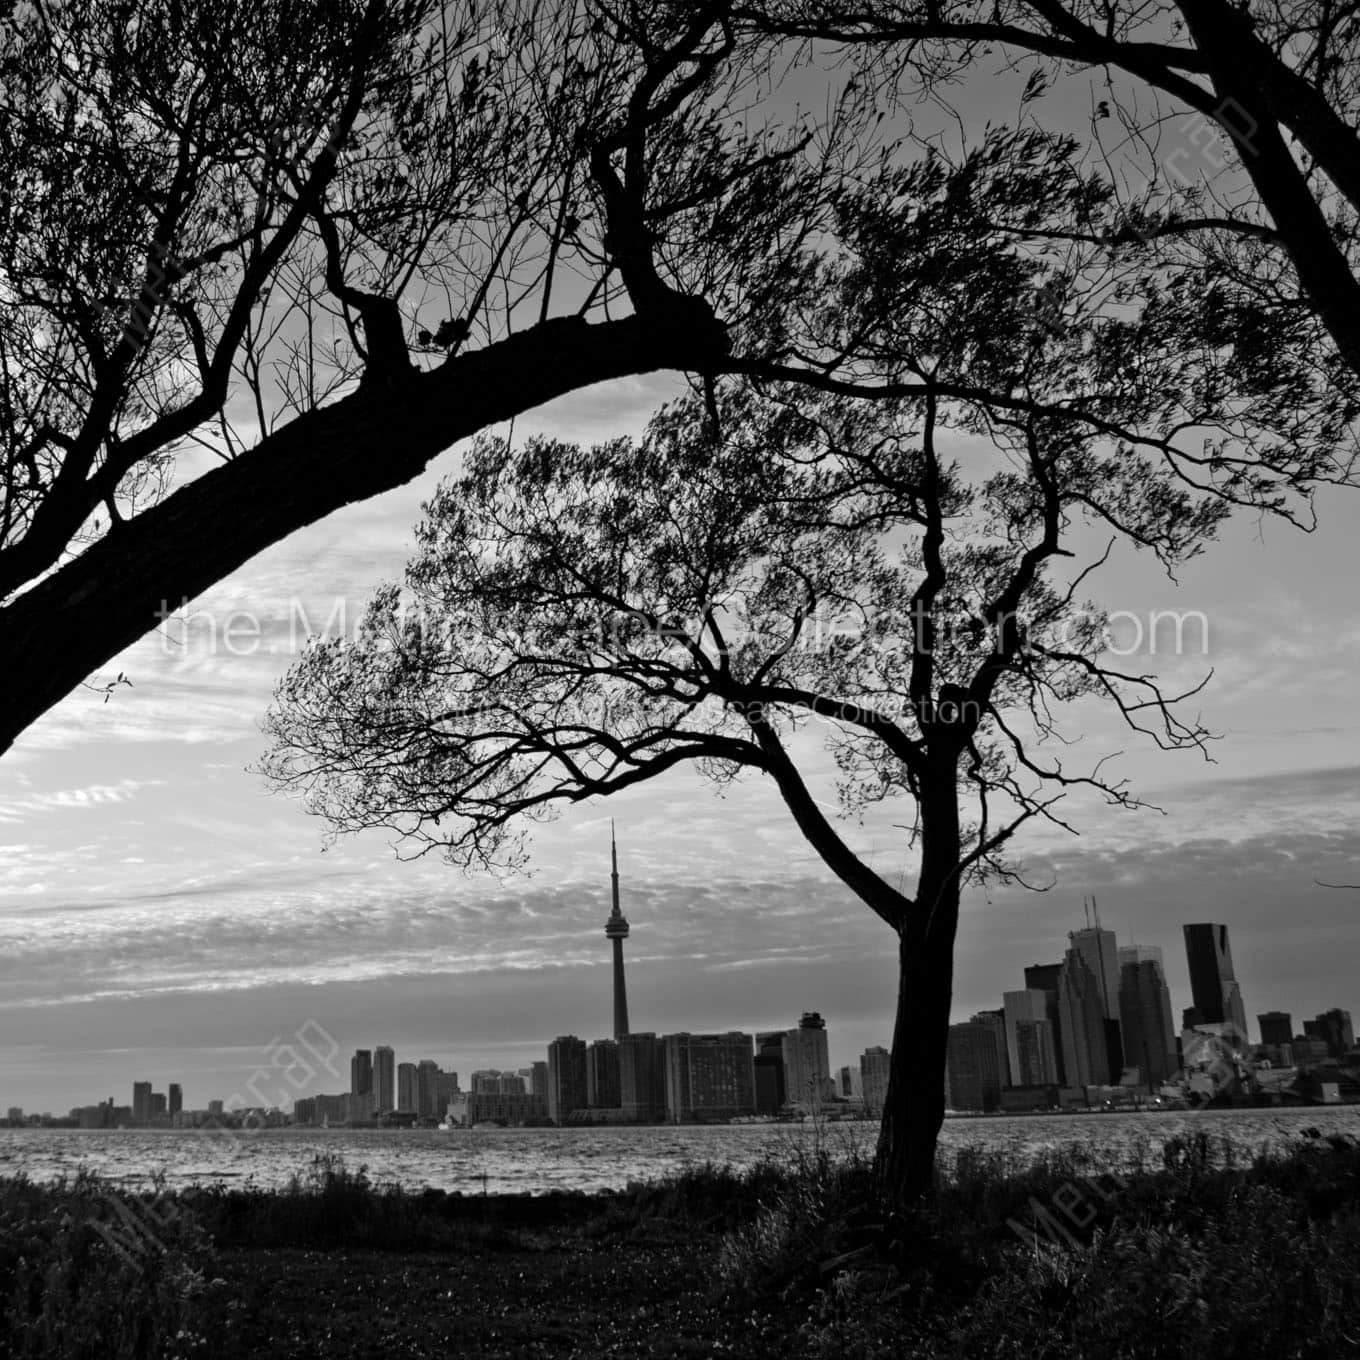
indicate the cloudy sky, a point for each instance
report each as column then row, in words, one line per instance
column 163, row 917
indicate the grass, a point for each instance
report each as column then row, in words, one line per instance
column 1191, row 1252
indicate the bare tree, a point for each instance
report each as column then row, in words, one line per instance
column 780, row 554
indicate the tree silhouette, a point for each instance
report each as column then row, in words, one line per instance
column 898, row 570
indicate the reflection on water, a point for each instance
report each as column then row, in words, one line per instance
column 537, row 1160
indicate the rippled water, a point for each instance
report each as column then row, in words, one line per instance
column 537, row 1160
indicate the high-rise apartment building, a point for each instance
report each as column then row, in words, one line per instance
column 141, row 1102
column 445, row 1089
column 361, row 1072
column 616, row 931
column 1213, row 984
column 384, row 1079
column 771, row 1090
column 874, row 1065
column 807, row 1062
column 709, row 1076
column 1149, row 1031
column 602, row 1075
column 1277, row 1027
column 427, row 1089
column 566, row 1077
column 642, row 1078
column 176, row 1102
column 406, row 1088
column 538, row 1081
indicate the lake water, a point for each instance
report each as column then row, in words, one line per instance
column 538, row 1160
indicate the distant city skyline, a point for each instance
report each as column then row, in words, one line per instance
column 161, row 913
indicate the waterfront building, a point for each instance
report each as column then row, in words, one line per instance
column 1277, row 1028
column 602, row 1075
column 566, row 1077
column 510, row 1108
column 384, row 1079
column 642, row 1078
column 445, row 1088
column 1036, row 1058
column 874, row 1065
column 427, row 1089
column 1029, row 1007
column 708, row 1076
column 141, row 1102
column 538, row 1080
column 1213, row 984
column 771, row 1090
column 973, row 1065
column 361, row 1072
column 406, row 1088
column 807, row 1062
column 176, row 1101
column 1043, row 977
column 1148, row 1029
column 1081, row 1013
column 616, row 931
column 1097, row 948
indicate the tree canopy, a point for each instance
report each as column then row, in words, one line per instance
column 263, row 259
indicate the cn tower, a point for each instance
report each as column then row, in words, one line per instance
column 616, row 929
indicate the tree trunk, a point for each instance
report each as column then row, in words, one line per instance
column 913, row 1109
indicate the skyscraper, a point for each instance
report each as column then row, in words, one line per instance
column 1043, row 977
column 973, row 1064
column 1082, row 1016
column 384, row 1078
column 406, row 1088
column 602, row 1075
column 141, row 1102
column 1149, row 1031
column 807, row 1061
column 874, row 1064
column 1033, row 1061
column 1097, row 947
column 771, row 1092
column 616, row 930
column 427, row 1089
column 1213, row 984
column 176, row 1098
column 642, row 1078
column 361, row 1073
column 1277, row 1027
column 566, row 1077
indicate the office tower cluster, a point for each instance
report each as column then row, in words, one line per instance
column 1099, row 1019
column 382, row 1091
column 1095, row 1028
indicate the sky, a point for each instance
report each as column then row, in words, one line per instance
column 164, row 917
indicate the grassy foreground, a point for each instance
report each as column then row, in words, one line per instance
column 1189, row 1255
